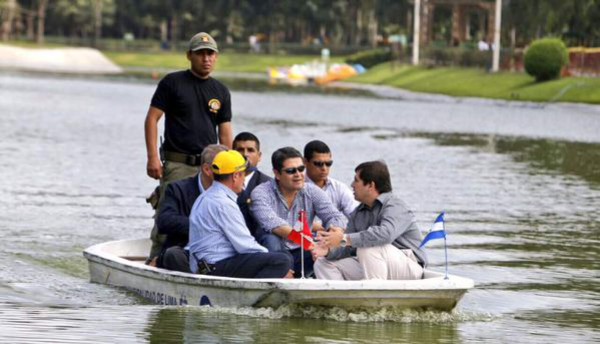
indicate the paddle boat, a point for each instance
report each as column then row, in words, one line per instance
column 121, row 264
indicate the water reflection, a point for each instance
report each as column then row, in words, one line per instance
column 562, row 157
column 213, row 325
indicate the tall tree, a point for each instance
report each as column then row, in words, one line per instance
column 9, row 13
column 41, row 21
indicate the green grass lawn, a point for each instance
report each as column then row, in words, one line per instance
column 453, row 81
column 471, row 82
column 228, row 62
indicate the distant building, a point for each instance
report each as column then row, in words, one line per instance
column 470, row 19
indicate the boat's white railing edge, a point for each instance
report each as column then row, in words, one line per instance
column 436, row 283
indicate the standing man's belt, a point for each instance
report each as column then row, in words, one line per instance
column 188, row 159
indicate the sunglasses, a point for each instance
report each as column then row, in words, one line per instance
column 293, row 170
column 323, row 163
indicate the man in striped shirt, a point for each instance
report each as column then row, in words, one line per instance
column 276, row 206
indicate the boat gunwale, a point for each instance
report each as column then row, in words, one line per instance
column 97, row 255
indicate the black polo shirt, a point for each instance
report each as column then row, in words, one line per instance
column 193, row 109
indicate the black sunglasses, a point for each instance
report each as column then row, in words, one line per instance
column 293, row 170
column 323, row 163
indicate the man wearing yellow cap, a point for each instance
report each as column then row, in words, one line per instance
column 220, row 243
column 197, row 111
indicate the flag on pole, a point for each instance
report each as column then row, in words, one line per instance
column 438, row 231
column 302, row 232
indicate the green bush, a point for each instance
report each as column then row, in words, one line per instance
column 545, row 58
column 370, row 58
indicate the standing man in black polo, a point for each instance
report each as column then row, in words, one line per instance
column 197, row 112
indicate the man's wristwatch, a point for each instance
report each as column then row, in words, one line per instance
column 344, row 241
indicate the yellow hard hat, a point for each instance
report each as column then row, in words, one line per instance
column 228, row 162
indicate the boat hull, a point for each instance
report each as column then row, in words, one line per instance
column 119, row 263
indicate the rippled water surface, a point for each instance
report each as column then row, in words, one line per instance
column 520, row 183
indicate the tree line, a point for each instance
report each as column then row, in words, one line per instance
column 325, row 22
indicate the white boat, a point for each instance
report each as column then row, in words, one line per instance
column 121, row 263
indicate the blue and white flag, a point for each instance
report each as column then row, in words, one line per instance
column 438, row 231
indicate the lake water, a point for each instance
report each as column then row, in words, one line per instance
column 520, row 184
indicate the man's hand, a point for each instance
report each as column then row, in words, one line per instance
column 319, row 251
column 332, row 238
column 154, row 168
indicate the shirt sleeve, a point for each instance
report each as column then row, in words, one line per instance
column 394, row 220
column 171, row 218
column 225, row 113
column 324, row 209
column 341, row 252
column 263, row 208
column 161, row 96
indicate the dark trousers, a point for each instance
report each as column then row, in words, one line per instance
column 274, row 243
column 271, row 242
column 254, row 265
column 176, row 258
column 308, row 263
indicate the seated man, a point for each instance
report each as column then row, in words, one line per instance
column 277, row 204
column 248, row 145
column 173, row 217
column 382, row 239
column 220, row 243
column 318, row 161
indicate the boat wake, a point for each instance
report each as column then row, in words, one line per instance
column 359, row 316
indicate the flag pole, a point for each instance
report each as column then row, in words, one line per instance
column 446, row 251
column 445, row 247
column 302, row 214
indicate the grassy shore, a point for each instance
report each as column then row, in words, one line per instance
column 453, row 81
column 470, row 82
column 228, row 62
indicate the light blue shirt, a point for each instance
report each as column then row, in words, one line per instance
column 217, row 228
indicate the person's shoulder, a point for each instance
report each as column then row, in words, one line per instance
column 175, row 79
column 392, row 199
column 313, row 190
column 338, row 184
column 264, row 188
column 388, row 197
column 183, row 183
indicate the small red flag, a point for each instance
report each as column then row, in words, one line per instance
column 305, row 235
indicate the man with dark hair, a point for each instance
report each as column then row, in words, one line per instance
column 220, row 243
column 173, row 216
column 276, row 205
column 318, row 161
column 382, row 239
column 197, row 112
column 249, row 146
